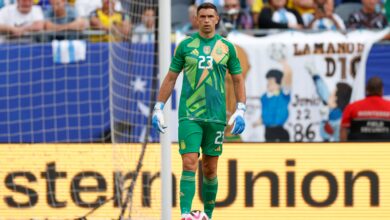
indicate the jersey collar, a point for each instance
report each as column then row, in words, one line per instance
column 206, row 39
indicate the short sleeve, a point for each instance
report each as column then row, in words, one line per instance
column 38, row 13
column 72, row 13
column 2, row 16
column 178, row 59
column 347, row 117
column 307, row 18
column 339, row 21
column 233, row 63
column 47, row 12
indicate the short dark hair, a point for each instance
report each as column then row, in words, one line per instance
column 207, row 5
column 343, row 94
column 274, row 73
column 374, row 87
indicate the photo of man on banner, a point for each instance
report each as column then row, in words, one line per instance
column 275, row 101
column 334, row 104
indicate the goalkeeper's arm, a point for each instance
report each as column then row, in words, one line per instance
column 167, row 86
column 165, row 91
column 238, row 117
column 239, row 87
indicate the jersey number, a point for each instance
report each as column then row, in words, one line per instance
column 205, row 62
column 219, row 138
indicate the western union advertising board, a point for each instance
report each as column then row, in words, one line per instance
column 256, row 181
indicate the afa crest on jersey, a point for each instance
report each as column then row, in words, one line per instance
column 206, row 49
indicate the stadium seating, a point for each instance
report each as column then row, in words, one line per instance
column 345, row 9
column 179, row 15
column 185, row 2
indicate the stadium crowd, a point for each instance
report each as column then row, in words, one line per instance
column 18, row 17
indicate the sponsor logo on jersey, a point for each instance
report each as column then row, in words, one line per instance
column 195, row 52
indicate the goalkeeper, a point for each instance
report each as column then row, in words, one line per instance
column 205, row 56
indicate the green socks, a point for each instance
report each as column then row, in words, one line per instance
column 187, row 191
column 209, row 193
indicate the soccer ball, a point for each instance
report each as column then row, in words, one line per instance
column 277, row 51
column 197, row 215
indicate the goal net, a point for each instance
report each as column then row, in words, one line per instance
column 134, row 86
column 82, row 100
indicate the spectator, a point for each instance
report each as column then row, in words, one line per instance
column 323, row 17
column 107, row 19
column 235, row 18
column 276, row 15
column 144, row 32
column 60, row 16
column 256, row 8
column 84, row 8
column 367, row 17
column 367, row 119
column 302, row 6
column 193, row 24
column 22, row 17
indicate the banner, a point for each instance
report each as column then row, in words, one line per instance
column 298, row 84
column 48, row 102
column 256, row 181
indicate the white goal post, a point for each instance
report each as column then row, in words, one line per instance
column 164, row 58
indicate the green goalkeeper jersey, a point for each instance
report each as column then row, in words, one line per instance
column 204, row 62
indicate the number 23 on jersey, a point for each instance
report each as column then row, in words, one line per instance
column 205, row 62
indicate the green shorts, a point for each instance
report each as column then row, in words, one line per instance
column 198, row 134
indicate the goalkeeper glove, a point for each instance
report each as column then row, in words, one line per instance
column 158, row 117
column 238, row 119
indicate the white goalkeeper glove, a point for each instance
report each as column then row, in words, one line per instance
column 238, row 119
column 158, row 117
